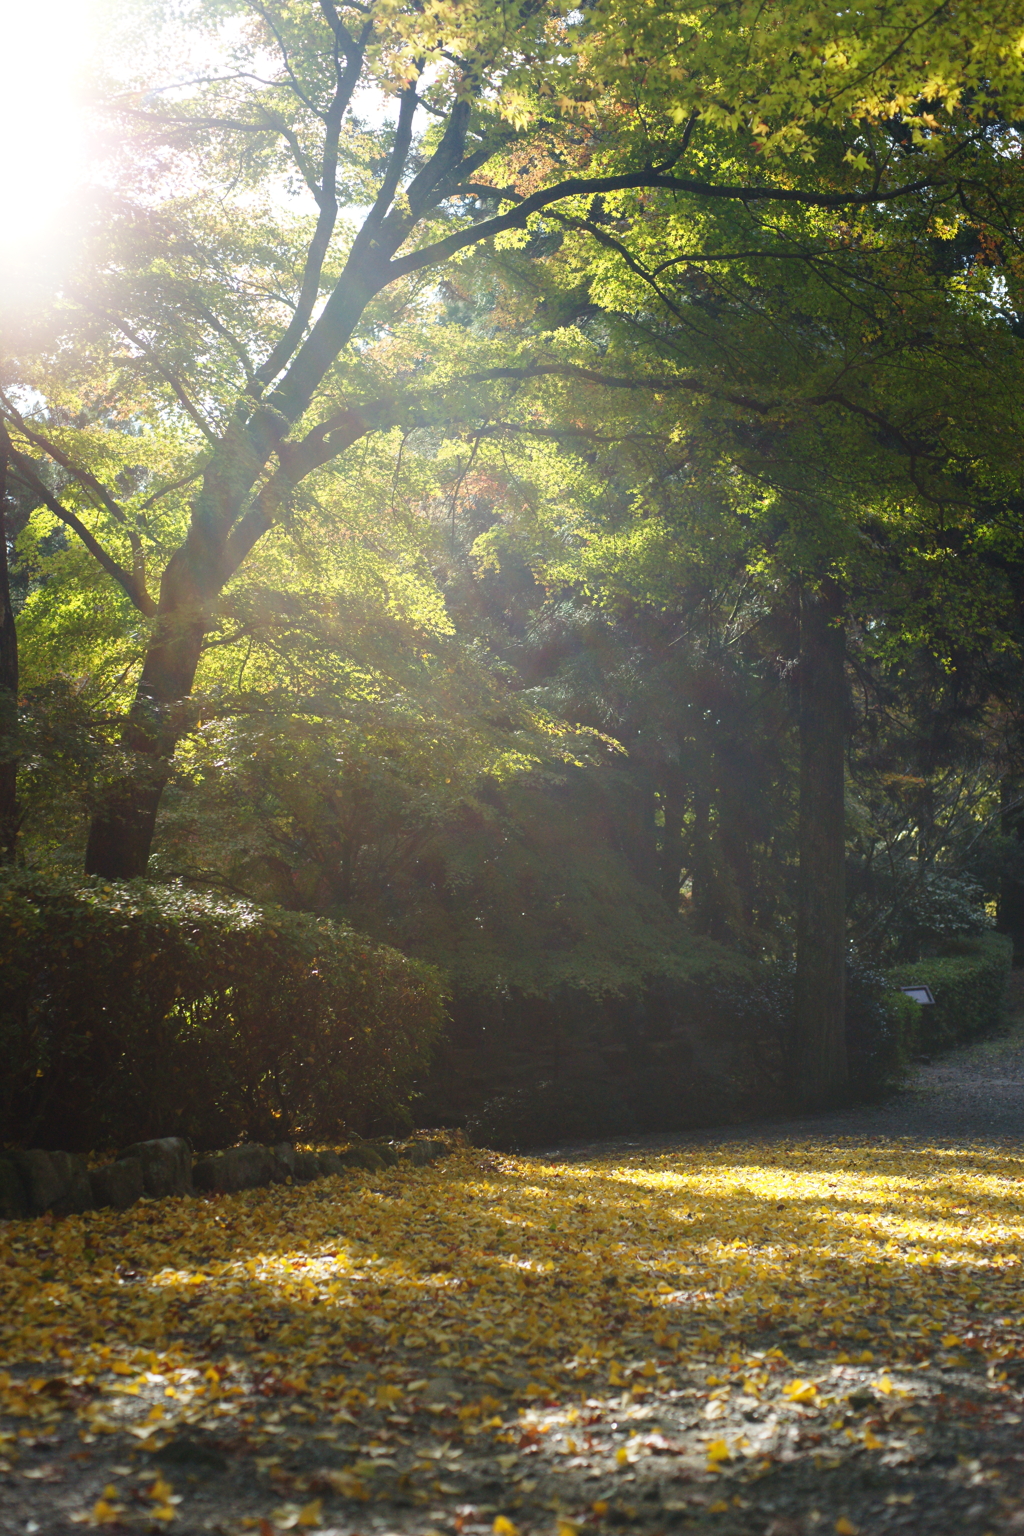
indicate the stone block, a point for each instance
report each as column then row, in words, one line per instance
column 13, row 1193
column 285, row 1154
column 166, row 1165
column 422, row 1152
column 54, row 1181
column 330, row 1163
column 362, row 1156
column 76, row 1191
column 40, row 1178
column 307, row 1166
column 118, row 1184
column 225, row 1173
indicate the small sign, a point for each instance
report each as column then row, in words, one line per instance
column 919, row 994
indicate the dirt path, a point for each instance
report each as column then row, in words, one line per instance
column 791, row 1329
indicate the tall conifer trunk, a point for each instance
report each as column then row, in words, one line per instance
column 1011, row 890
column 9, row 815
column 819, row 1058
column 673, row 800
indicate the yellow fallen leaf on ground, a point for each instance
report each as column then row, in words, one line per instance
column 512, row 1351
column 105, row 1513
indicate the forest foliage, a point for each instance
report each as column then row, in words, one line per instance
column 426, row 470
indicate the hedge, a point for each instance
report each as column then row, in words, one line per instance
column 967, row 983
column 130, row 1010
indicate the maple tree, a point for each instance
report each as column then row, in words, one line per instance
column 244, row 339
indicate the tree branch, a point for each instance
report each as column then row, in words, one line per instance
column 327, row 201
column 295, row 460
column 579, row 186
column 613, row 381
column 181, row 394
column 130, row 582
column 83, row 476
column 395, row 165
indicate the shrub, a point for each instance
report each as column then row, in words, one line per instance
column 547, row 1113
column 967, row 983
column 880, row 1024
column 129, row 1010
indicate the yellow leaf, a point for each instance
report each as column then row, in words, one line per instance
column 845, row 1527
column 310, row 1514
column 719, row 1507
column 718, row 1451
column 600, row 1508
column 504, row 1527
column 160, row 1491
column 872, row 1441
column 950, row 1341
column 104, row 1513
column 800, row 1392
column 622, row 1456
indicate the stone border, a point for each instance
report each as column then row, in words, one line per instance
column 37, row 1183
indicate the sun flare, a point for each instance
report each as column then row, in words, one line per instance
column 43, row 123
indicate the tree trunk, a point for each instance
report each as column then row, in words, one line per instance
column 121, row 834
column 1011, row 889
column 673, row 802
column 700, row 857
column 820, row 1066
column 9, row 813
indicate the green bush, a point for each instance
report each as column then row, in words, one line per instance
column 130, row 1010
column 967, row 983
column 880, row 1025
column 548, row 1113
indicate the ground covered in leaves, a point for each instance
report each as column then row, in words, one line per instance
column 787, row 1338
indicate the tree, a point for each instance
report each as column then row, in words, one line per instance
column 250, row 339
column 805, row 387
